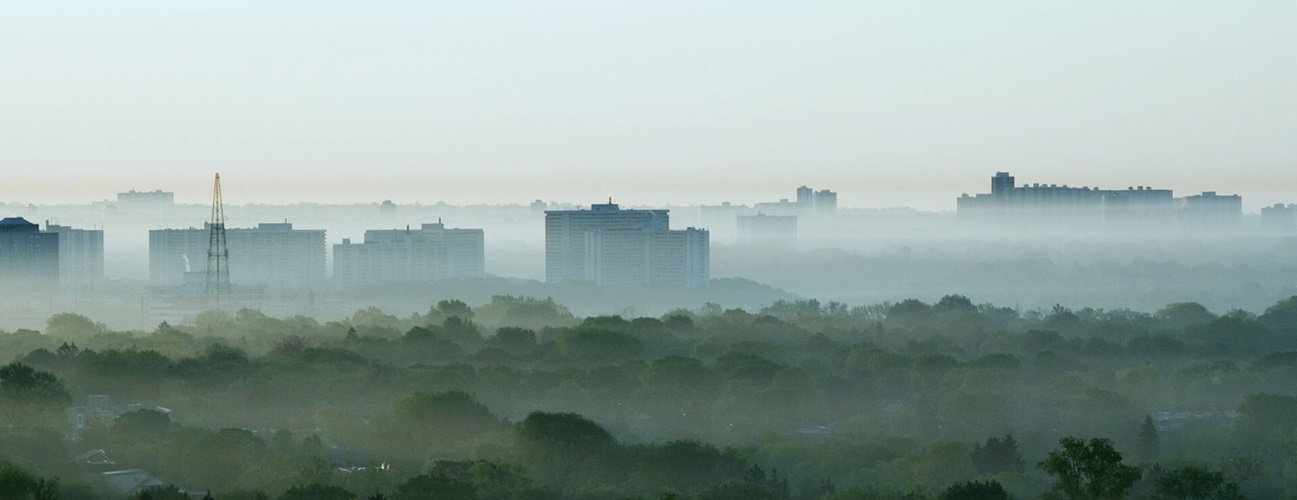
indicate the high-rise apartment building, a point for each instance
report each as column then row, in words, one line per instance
column 812, row 202
column 565, row 235
column 1279, row 217
column 29, row 257
column 81, row 254
column 273, row 255
column 1211, row 210
column 826, row 202
column 648, row 257
column 430, row 253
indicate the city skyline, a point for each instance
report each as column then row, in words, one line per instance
column 1252, row 204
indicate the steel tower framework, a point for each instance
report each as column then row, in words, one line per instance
column 218, row 255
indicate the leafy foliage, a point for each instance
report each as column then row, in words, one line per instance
column 1089, row 470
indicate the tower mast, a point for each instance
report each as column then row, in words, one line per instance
column 218, row 255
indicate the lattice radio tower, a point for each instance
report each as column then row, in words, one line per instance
column 218, row 255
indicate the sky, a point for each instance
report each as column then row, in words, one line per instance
column 649, row 102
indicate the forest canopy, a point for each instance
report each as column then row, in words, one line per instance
column 518, row 398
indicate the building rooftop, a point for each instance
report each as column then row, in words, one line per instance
column 13, row 224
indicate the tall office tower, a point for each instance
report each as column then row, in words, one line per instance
column 273, row 255
column 29, row 257
column 430, row 253
column 81, row 254
column 648, row 257
column 826, row 202
column 565, row 231
column 806, row 199
column 1002, row 184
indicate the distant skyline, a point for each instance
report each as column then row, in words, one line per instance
column 652, row 103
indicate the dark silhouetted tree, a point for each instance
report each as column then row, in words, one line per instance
column 1196, row 483
column 24, row 390
column 317, row 492
column 1088, row 471
column 737, row 490
column 434, row 487
column 997, row 455
column 975, row 490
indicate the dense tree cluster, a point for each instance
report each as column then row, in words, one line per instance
column 519, row 399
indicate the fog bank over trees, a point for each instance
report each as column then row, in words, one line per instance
column 519, row 398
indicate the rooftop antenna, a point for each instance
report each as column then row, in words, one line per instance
column 218, row 255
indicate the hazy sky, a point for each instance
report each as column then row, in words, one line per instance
column 888, row 103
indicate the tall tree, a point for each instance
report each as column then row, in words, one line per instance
column 24, row 390
column 1090, row 471
column 997, row 455
column 1197, row 483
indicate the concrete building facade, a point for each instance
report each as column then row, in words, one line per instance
column 1279, row 217
column 565, row 235
column 1211, row 211
column 29, row 257
column 273, row 255
column 430, row 253
column 81, row 255
column 648, row 257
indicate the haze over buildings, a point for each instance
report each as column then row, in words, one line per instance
column 81, row 255
column 610, row 245
column 647, row 256
column 273, row 255
column 29, row 257
column 1136, row 207
column 430, row 253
